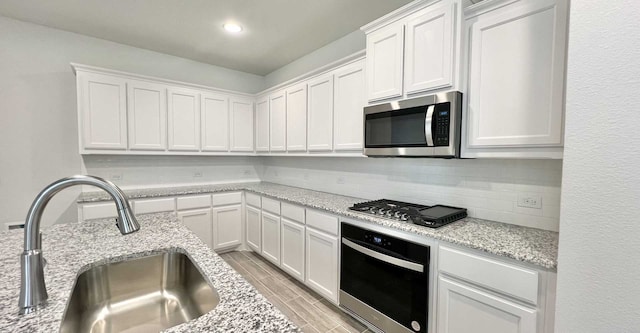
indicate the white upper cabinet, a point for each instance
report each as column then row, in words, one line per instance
column 214, row 121
column 348, row 104
column 262, row 124
column 297, row 118
column 414, row 49
column 429, row 48
column 184, row 119
column 147, row 115
column 241, row 124
column 278, row 121
column 320, row 110
column 102, row 109
column 516, row 64
column 384, row 62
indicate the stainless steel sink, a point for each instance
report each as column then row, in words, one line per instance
column 145, row 294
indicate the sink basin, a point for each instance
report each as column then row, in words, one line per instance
column 146, row 294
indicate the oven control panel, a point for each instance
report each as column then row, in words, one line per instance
column 377, row 239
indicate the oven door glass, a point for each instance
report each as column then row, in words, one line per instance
column 399, row 293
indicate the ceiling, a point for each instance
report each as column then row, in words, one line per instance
column 275, row 33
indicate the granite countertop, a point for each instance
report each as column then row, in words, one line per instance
column 75, row 247
column 530, row 245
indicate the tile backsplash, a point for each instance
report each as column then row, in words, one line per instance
column 489, row 189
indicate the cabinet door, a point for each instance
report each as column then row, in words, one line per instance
column 322, row 263
column 227, row 226
column 463, row 309
column 103, row 111
column 253, row 229
column 198, row 221
column 297, row 118
column 320, row 108
column 214, row 122
column 271, row 237
column 147, row 113
column 429, row 46
column 384, row 62
column 292, row 246
column 184, row 120
column 278, row 121
column 262, row 124
column 516, row 75
column 348, row 107
column 241, row 125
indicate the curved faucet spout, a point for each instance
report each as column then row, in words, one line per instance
column 33, row 291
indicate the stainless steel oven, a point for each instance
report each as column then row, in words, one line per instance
column 384, row 280
column 427, row 126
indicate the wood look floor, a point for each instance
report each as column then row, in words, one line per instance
column 303, row 306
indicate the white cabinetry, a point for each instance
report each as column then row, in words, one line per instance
column 292, row 248
column 198, row 221
column 184, row 120
column 214, row 122
column 102, row 111
column 463, row 308
column 322, row 263
column 241, row 124
column 271, row 237
column 515, row 79
column 320, row 110
column 278, row 121
column 262, row 124
column 147, row 115
column 297, row 117
column 253, row 217
column 413, row 50
column 384, row 62
column 348, row 105
column 227, row 226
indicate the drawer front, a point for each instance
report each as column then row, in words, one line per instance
column 271, row 205
column 512, row 280
column 252, row 199
column 293, row 212
column 155, row 205
column 226, row 199
column 322, row 221
column 99, row 210
column 193, row 202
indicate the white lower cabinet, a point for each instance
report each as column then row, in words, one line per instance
column 463, row 308
column 271, row 237
column 198, row 221
column 227, row 226
column 322, row 263
column 253, row 228
column 292, row 248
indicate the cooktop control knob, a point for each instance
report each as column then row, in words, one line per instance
column 404, row 217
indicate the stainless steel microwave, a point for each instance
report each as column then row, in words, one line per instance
column 426, row 126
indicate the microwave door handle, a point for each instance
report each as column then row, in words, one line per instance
column 383, row 257
column 427, row 125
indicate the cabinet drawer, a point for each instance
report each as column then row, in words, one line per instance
column 198, row 201
column 252, row 199
column 512, row 280
column 155, row 205
column 321, row 221
column 292, row 212
column 271, row 205
column 227, row 198
column 99, row 210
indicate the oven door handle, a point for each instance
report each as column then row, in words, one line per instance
column 383, row 257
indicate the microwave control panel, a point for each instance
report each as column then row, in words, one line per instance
column 442, row 125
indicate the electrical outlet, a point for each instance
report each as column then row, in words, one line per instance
column 247, row 172
column 197, row 174
column 530, row 201
column 115, row 176
column 341, row 180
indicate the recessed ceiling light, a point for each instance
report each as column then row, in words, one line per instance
column 232, row 27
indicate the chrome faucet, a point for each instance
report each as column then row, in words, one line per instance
column 33, row 292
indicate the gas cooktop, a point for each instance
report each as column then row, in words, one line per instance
column 428, row 216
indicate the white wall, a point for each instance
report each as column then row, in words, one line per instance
column 144, row 171
column 489, row 189
column 338, row 49
column 599, row 255
column 38, row 123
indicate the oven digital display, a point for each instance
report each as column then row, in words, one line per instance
column 377, row 240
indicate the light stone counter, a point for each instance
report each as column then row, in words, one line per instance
column 530, row 245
